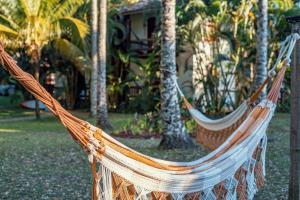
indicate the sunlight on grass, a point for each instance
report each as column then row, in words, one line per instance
column 3, row 130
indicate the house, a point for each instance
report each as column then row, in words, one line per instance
column 143, row 23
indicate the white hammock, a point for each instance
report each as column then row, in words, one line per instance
column 230, row 119
column 206, row 174
column 222, row 123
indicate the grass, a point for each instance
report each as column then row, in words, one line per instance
column 39, row 160
column 12, row 109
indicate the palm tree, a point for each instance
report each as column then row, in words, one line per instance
column 93, row 96
column 102, row 118
column 34, row 24
column 174, row 132
column 260, row 69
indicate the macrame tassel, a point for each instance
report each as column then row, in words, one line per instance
column 193, row 196
column 263, row 154
column 260, row 179
column 141, row 193
column 242, row 184
column 95, row 192
column 160, row 196
column 230, row 185
column 107, row 183
column 220, row 191
column 178, row 196
column 250, row 178
column 208, row 194
column 259, row 169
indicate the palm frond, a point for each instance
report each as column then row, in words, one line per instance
column 67, row 8
column 12, row 10
column 7, row 6
column 117, row 31
column 76, row 24
column 72, row 53
column 8, row 22
column 7, row 30
column 75, row 29
column 25, row 7
column 48, row 6
column 34, row 6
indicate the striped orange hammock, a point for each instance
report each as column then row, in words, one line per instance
column 212, row 133
column 235, row 170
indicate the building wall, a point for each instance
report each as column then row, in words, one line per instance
column 184, row 60
column 138, row 27
column 204, row 58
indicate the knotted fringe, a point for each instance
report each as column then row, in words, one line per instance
column 193, row 196
column 258, row 171
column 242, row 185
column 96, row 178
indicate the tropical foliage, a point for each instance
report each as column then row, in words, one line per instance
column 228, row 26
column 34, row 24
column 25, row 22
column 227, row 29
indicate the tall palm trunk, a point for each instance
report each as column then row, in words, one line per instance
column 93, row 89
column 37, row 77
column 102, row 119
column 34, row 52
column 260, row 70
column 174, row 132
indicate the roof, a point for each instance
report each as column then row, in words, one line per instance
column 141, row 6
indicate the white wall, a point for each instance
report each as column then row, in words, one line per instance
column 206, row 56
column 138, row 26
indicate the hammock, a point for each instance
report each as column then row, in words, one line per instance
column 234, row 170
column 211, row 133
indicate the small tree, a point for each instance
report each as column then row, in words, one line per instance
column 34, row 24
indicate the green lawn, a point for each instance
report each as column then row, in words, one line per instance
column 39, row 160
column 11, row 109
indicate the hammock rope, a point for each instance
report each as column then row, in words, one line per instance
column 233, row 170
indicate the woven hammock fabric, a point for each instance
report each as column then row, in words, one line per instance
column 233, row 170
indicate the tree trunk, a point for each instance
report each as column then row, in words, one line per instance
column 260, row 70
column 174, row 132
column 102, row 119
column 37, row 77
column 34, row 51
column 93, row 88
column 294, row 185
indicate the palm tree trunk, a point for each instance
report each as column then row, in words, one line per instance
column 37, row 77
column 102, row 119
column 174, row 132
column 93, row 90
column 35, row 54
column 260, row 70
